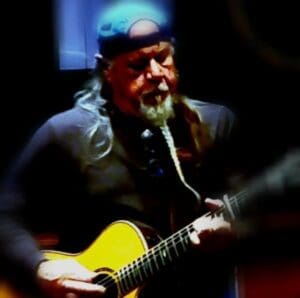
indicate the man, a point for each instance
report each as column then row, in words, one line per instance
column 131, row 148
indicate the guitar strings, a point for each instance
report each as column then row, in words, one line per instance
column 156, row 250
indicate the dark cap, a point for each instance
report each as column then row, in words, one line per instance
column 116, row 21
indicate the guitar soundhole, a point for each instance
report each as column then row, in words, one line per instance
column 108, row 282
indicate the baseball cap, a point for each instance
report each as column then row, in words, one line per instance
column 117, row 19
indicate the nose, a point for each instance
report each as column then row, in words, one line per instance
column 155, row 70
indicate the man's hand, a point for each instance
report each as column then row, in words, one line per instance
column 67, row 279
column 212, row 233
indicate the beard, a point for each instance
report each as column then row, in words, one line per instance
column 158, row 114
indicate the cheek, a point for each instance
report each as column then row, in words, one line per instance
column 136, row 85
column 128, row 95
column 171, row 77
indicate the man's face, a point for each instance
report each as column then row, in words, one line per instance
column 143, row 79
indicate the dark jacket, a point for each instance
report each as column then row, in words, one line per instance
column 52, row 190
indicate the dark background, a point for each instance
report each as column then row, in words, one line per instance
column 228, row 54
column 219, row 60
column 241, row 53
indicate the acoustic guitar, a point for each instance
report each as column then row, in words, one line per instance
column 123, row 257
column 125, row 260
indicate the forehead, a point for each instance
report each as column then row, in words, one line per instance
column 147, row 52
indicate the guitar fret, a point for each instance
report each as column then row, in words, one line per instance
column 182, row 240
column 167, row 250
column 186, row 237
column 162, row 255
column 127, row 277
column 129, row 274
column 155, row 259
column 132, row 274
column 139, row 270
column 144, row 268
column 122, row 282
column 175, row 246
column 150, row 265
column 136, row 272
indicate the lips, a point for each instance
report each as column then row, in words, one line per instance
column 154, row 98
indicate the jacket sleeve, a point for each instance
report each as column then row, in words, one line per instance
column 19, row 252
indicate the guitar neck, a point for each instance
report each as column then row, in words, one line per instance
column 154, row 260
column 167, row 251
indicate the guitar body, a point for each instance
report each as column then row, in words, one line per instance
column 119, row 244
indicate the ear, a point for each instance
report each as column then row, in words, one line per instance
column 107, row 74
column 103, row 65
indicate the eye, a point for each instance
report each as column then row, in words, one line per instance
column 138, row 65
column 161, row 58
column 164, row 58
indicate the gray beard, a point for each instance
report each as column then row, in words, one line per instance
column 159, row 114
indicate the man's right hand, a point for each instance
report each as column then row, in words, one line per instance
column 67, row 279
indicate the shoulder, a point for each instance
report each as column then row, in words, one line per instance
column 62, row 129
column 78, row 129
column 74, row 122
column 220, row 119
column 211, row 111
column 56, row 138
column 68, row 121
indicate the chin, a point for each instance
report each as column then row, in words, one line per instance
column 158, row 114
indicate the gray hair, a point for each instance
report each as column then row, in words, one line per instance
column 97, row 135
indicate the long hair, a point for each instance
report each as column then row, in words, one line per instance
column 97, row 135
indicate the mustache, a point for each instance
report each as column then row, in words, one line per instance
column 162, row 87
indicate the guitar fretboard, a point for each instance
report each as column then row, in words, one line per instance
column 169, row 250
column 154, row 260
